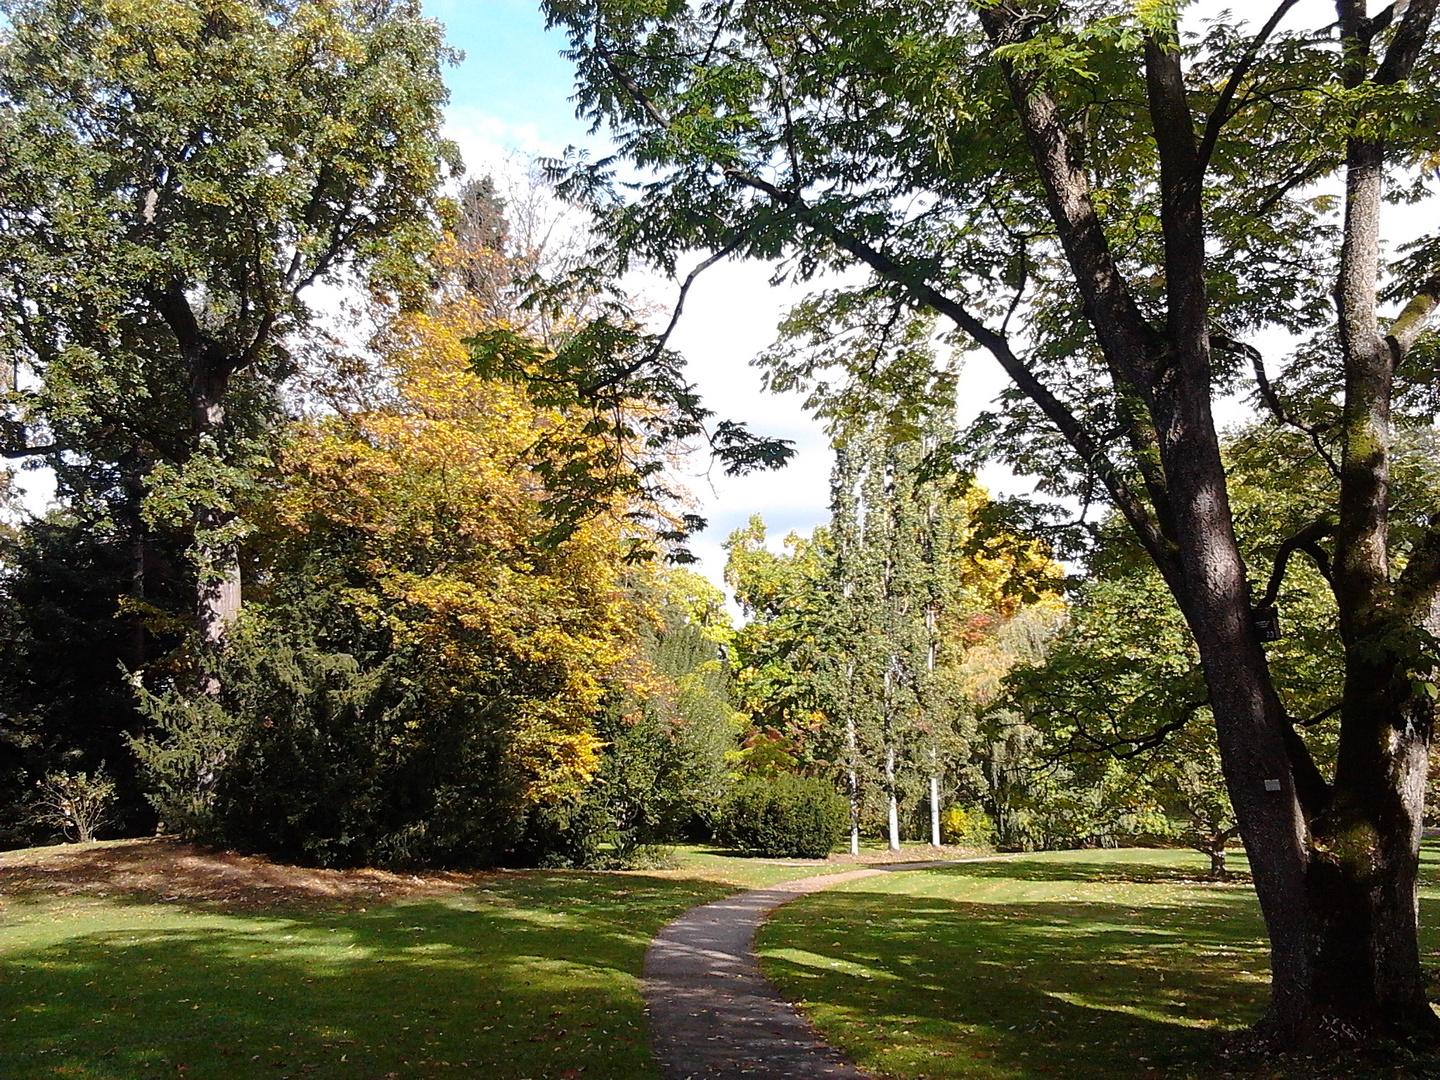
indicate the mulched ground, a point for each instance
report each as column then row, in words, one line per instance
column 165, row 869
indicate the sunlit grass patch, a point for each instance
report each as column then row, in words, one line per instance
column 531, row 975
column 1092, row 964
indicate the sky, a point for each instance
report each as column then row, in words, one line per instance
column 509, row 100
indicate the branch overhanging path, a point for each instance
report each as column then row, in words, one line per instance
column 714, row 1016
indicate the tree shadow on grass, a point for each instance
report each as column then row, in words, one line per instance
column 532, row 975
column 1063, row 987
column 1047, row 867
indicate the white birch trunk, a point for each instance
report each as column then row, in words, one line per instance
column 934, row 811
column 894, row 802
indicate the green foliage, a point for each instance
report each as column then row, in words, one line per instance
column 783, row 816
column 966, row 826
column 666, row 762
column 329, row 750
column 856, row 658
column 81, row 594
column 1117, row 704
column 182, row 755
column 177, row 175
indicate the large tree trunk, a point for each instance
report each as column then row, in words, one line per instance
column 217, row 555
column 1250, row 722
column 1364, row 863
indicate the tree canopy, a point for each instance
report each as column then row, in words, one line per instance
column 178, row 173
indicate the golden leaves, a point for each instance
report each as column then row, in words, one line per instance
column 434, row 496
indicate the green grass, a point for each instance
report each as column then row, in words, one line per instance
column 1090, row 964
column 529, row 975
column 1076, row 965
column 710, row 864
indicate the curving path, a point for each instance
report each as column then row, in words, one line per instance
column 713, row 1016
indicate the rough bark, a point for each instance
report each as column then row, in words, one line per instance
column 1338, row 892
column 217, row 596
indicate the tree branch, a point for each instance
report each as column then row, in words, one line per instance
column 1125, row 747
column 1323, row 714
column 30, row 451
column 1410, row 323
column 658, row 347
column 1081, row 439
column 1416, row 587
column 1311, row 789
column 1126, row 336
column 1221, row 114
column 1405, row 46
column 1306, row 540
column 1272, row 399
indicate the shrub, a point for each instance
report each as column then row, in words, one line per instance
column 966, row 827
column 76, row 803
column 785, row 815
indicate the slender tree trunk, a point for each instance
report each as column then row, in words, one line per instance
column 854, row 815
column 854, row 792
column 934, row 811
column 894, row 803
column 930, row 621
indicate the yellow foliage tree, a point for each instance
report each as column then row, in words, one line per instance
column 419, row 677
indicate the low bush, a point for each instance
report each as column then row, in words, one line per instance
column 966, row 826
column 788, row 816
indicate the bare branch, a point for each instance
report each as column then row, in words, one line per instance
column 658, row 346
column 1272, row 400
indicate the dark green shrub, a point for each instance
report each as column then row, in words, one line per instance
column 786, row 815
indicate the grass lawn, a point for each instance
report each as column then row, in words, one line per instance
column 1081, row 964
column 1086, row 964
column 519, row 975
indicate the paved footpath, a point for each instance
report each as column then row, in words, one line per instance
column 713, row 1016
